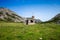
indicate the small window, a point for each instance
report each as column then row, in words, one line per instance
column 31, row 21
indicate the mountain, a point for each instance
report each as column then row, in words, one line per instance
column 9, row 16
column 55, row 19
column 38, row 21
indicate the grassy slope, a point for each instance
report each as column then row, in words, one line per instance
column 18, row 31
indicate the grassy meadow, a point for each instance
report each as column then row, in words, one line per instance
column 19, row 31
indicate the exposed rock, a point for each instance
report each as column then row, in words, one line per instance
column 9, row 16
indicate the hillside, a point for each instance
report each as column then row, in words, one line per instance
column 19, row 31
column 9, row 16
column 55, row 19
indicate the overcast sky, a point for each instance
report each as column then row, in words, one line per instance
column 41, row 9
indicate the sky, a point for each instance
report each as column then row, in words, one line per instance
column 41, row 9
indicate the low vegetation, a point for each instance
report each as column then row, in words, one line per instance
column 19, row 31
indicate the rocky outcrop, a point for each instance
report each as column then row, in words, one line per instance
column 9, row 16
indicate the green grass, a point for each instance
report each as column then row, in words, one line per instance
column 19, row 31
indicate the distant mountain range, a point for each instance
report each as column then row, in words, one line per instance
column 9, row 16
column 38, row 21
